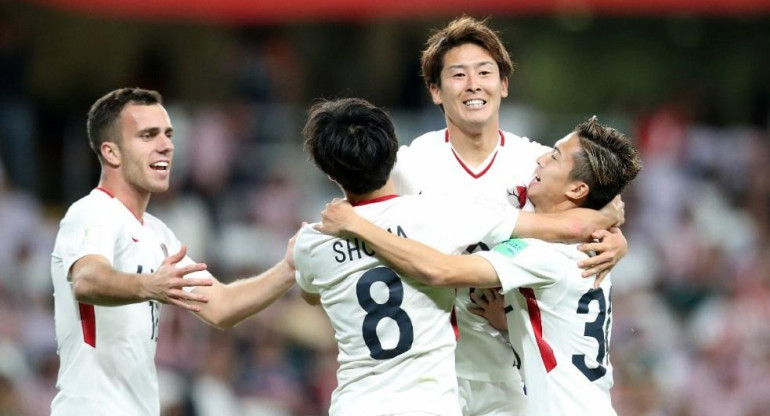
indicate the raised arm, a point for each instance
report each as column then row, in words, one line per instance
column 230, row 304
column 409, row 257
column 95, row 281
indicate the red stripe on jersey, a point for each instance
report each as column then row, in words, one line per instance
column 453, row 321
column 88, row 322
column 106, row 192
column 467, row 169
column 374, row 200
column 549, row 360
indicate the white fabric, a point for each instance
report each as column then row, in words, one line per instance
column 421, row 378
column 116, row 376
column 429, row 166
column 544, row 288
column 489, row 398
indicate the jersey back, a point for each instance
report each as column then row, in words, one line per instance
column 396, row 344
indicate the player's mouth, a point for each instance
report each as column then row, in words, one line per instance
column 162, row 166
column 535, row 179
column 475, row 103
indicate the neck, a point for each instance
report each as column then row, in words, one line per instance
column 474, row 147
column 388, row 189
column 136, row 201
column 545, row 207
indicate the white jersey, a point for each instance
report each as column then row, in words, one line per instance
column 396, row 345
column 431, row 166
column 107, row 353
column 561, row 325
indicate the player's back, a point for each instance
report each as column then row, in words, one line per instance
column 562, row 325
column 396, row 344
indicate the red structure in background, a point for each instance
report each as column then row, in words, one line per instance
column 284, row 11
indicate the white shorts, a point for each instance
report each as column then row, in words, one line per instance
column 485, row 398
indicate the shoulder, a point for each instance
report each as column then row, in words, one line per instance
column 94, row 207
column 513, row 141
column 428, row 140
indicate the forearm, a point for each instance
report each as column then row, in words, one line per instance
column 425, row 263
column 572, row 225
column 94, row 281
column 230, row 304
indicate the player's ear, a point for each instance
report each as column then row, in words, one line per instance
column 110, row 153
column 577, row 190
column 434, row 93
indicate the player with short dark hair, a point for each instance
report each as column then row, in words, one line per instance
column 113, row 264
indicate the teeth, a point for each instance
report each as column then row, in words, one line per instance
column 160, row 165
column 474, row 103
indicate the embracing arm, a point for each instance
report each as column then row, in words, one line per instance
column 96, row 282
column 418, row 260
column 572, row 225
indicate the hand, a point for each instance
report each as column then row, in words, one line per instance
column 616, row 211
column 166, row 285
column 337, row 218
column 490, row 306
column 611, row 246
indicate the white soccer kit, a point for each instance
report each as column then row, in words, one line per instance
column 561, row 325
column 395, row 341
column 107, row 353
column 431, row 166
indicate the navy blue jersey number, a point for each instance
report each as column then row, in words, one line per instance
column 376, row 312
column 598, row 330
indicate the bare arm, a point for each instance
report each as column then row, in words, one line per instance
column 409, row 257
column 230, row 304
column 572, row 225
column 95, row 281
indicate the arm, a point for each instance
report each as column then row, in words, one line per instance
column 409, row 257
column 572, row 225
column 230, row 304
column 95, row 281
column 311, row 298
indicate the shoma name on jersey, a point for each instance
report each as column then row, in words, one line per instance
column 350, row 250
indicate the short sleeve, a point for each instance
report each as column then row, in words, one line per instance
column 303, row 275
column 491, row 220
column 86, row 231
column 524, row 263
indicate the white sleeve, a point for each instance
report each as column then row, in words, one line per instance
column 303, row 275
column 480, row 219
column 524, row 263
column 174, row 245
column 405, row 178
column 87, row 231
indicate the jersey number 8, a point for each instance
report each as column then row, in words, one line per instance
column 376, row 312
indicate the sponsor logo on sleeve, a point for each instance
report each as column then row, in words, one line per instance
column 511, row 248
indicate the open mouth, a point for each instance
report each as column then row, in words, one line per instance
column 476, row 102
column 161, row 166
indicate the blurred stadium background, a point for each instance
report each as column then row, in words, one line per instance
column 688, row 79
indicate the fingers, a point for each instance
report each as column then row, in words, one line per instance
column 179, row 303
column 194, row 282
column 481, row 301
column 600, row 234
column 477, row 312
column 595, row 260
column 176, row 257
column 599, row 268
column 600, row 278
column 599, row 247
column 190, row 268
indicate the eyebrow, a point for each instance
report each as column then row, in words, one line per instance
column 556, row 149
column 155, row 130
column 463, row 66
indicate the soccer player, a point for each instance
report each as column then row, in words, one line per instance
column 113, row 264
column 557, row 320
column 466, row 69
column 396, row 344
